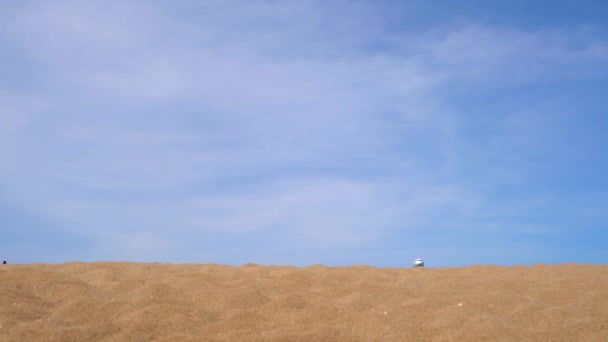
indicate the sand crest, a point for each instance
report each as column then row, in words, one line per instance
column 176, row 302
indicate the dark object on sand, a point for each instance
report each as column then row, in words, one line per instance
column 4, row 262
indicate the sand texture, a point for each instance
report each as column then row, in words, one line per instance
column 105, row 301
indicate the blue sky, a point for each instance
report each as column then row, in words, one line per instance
column 304, row 132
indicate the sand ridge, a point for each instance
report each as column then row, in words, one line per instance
column 119, row 301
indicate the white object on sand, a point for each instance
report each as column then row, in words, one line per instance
column 418, row 263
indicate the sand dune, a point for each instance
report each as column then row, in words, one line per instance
column 168, row 302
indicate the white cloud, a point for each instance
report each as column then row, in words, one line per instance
column 260, row 118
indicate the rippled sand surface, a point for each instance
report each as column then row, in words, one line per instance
column 176, row 302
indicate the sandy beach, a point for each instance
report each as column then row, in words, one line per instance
column 115, row 301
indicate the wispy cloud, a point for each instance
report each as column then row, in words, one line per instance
column 279, row 132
